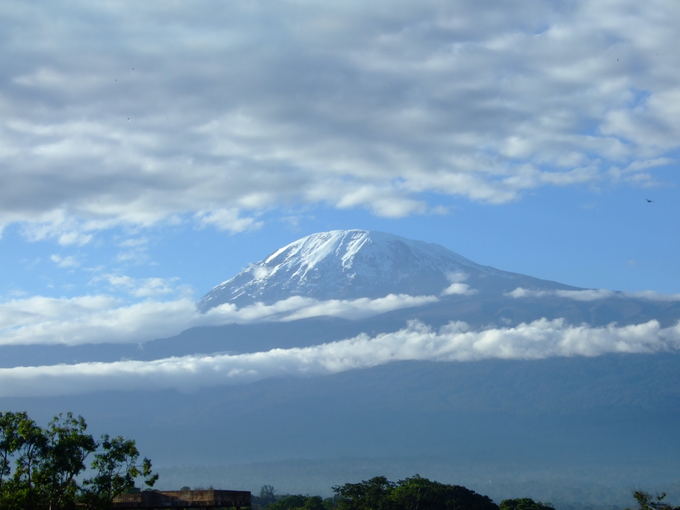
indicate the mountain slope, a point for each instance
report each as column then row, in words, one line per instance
column 558, row 416
column 349, row 264
column 505, row 419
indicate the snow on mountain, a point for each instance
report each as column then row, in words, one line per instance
column 349, row 264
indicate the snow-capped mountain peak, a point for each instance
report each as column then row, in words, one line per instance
column 349, row 264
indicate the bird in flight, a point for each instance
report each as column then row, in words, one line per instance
column 649, row 201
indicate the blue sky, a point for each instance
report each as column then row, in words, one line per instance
column 149, row 152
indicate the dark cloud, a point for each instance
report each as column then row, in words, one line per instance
column 112, row 113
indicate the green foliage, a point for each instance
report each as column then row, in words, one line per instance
column 524, row 504
column 267, row 495
column 26, row 448
column 42, row 468
column 298, row 502
column 66, row 449
column 414, row 493
column 370, row 494
column 646, row 501
column 420, row 493
column 316, row 503
column 116, row 469
column 292, row 502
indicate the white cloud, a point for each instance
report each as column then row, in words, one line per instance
column 134, row 250
column 134, row 242
column 654, row 296
column 65, row 262
column 298, row 307
column 228, row 220
column 591, row 294
column 18, row 313
column 74, row 237
column 154, row 287
column 359, row 308
column 457, row 277
column 58, row 226
column 521, row 292
column 343, row 105
column 140, row 287
column 462, row 289
column 638, row 172
column 577, row 295
column 102, row 319
column 453, row 342
column 91, row 319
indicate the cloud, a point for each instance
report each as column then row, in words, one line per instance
column 653, row 296
column 454, row 342
column 140, row 287
column 90, row 319
column 227, row 220
column 577, row 295
column 65, row 262
column 57, row 225
column 103, row 319
column 456, row 288
column 341, row 105
column 457, row 276
column 360, row 308
column 591, row 294
column 638, row 172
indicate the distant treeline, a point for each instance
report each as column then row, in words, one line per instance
column 416, row 493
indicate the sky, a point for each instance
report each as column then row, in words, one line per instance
column 149, row 151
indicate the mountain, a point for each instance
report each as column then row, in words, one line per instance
column 353, row 264
column 578, row 432
column 350, row 264
column 575, row 430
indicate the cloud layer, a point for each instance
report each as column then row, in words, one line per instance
column 219, row 111
column 453, row 342
column 103, row 319
column 591, row 294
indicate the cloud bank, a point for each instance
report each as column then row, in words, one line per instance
column 216, row 112
column 453, row 342
column 591, row 294
column 108, row 319
column 103, row 319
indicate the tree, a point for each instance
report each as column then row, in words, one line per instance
column 298, row 502
column 414, row 493
column 314, row 503
column 267, row 495
column 646, row 501
column 10, row 442
column 25, row 489
column 116, row 470
column 418, row 493
column 42, row 468
column 524, row 504
column 366, row 495
column 66, row 449
column 290, row 502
